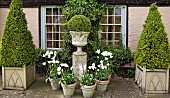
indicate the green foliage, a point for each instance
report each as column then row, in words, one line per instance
column 87, row 79
column 67, row 75
column 79, row 23
column 40, row 69
column 94, row 11
column 17, row 45
column 152, row 51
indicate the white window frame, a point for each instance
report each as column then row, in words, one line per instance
column 123, row 24
column 43, row 28
column 43, row 25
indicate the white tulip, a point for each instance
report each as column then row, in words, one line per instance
column 59, row 69
column 98, row 51
column 44, row 63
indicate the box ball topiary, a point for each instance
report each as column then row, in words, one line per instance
column 79, row 23
column 153, row 48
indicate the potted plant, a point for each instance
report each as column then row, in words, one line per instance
column 88, row 84
column 152, row 55
column 68, row 80
column 79, row 27
column 17, row 50
column 53, row 69
column 103, row 70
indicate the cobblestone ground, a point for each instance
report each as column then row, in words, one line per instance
column 118, row 88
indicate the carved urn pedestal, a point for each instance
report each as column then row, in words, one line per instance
column 79, row 58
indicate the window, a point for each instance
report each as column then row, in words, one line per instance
column 113, row 25
column 52, row 27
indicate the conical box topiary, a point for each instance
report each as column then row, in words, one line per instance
column 152, row 51
column 17, row 45
column 17, row 50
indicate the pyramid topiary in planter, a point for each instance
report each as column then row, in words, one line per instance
column 152, row 55
column 17, row 50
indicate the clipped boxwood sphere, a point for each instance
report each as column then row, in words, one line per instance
column 79, row 23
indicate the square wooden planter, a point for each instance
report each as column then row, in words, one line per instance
column 152, row 81
column 17, row 77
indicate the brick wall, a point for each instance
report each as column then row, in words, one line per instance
column 32, row 16
column 136, row 19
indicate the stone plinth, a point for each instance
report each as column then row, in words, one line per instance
column 79, row 62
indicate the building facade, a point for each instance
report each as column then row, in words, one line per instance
column 46, row 21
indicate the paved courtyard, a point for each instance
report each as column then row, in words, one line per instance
column 118, row 88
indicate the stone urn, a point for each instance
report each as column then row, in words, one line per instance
column 79, row 58
column 79, row 39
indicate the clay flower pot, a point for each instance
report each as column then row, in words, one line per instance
column 102, row 85
column 54, row 85
column 68, row 90
column 88, row 91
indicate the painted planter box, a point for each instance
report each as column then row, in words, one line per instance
column 17, row 77
column 152, row 81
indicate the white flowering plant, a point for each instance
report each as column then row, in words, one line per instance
column 53, row 66
column 67, row 75
column 87, row 78
column 103, row 68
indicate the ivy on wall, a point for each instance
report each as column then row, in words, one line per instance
column 91, row 9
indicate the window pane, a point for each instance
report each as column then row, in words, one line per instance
column 111, row 36
column 61, row 36
column 111, row 28
column 49, row 36
column 117, row 28
column 111, row 20
column 55, row 11
column 104, row 28
column 104, row 20
column 49, row 44
column 111, row 11
column 56, row 44
column 48, row 11
column 55, row 19
column 111, row 43
column 60, row 12
column 56, row 28
column 118, row 19
column 61, row 28
column 117, row 36
column 62, row 19
column 48, row 19
column 61, row 44
column 55, row 36
column 116, row 44
column 103, row 36
column 117, row 11
column 49, row 28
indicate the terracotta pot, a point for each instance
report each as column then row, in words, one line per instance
column 102, row 85
column 88, row 91
column 68, row 90
column 54, row 85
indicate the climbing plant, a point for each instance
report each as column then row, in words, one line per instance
column 91, row 9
